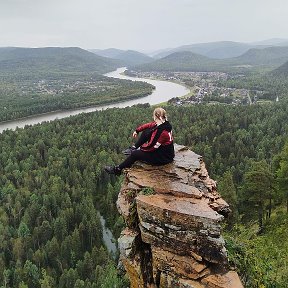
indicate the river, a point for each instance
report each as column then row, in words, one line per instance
column 164, row 91
column 108, row 238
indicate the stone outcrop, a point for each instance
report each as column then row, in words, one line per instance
column 173, row 235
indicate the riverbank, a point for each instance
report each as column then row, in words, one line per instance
column 163, row 91
column 120, row 100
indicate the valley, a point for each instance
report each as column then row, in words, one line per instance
column 53, row 185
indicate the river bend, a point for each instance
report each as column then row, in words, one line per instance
column 164, row 91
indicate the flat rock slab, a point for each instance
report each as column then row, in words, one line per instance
column 186, row 158
column 185, row 225
column 176, row 211
column 162, row 181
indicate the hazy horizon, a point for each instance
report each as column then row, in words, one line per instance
column 143, row 26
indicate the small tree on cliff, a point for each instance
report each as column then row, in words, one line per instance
column 282, row 174
column 227, row 190
column 257, row 189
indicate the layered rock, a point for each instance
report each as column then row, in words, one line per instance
column 173, row 235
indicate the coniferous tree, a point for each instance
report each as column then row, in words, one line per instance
column 256, row 189
column 282, row 174
column 227, row 190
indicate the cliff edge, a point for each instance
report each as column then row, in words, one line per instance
column 173, row 233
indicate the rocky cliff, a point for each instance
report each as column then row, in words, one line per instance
column 173, row 234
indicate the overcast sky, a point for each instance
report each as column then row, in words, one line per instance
column 142, row 25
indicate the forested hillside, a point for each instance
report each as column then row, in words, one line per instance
column 281, row 71
column 53, row 59
column 34, row 81
column 23, row 97
column 254, row 59
column 180, row 61
column 270, row 56
column 52, row 184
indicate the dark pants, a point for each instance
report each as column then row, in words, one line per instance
column 144, row 137
column 138, row 155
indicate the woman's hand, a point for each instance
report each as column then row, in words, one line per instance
column 135, row 134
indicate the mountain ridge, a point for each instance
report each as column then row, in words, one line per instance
column 270, row 58
column 223, row 49
column 129, row 57
column 66, row 59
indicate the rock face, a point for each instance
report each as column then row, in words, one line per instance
column 173, row 234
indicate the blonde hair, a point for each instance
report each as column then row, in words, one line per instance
column 160, row 113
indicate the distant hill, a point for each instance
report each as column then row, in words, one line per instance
column 40, row 80
column 268, row 58
column 128, row 57
column 179, row 61
column 271, row 56
column 217, row 50
column 110, row 52
column 223, row 49
column 281, row 71
column 54, row 59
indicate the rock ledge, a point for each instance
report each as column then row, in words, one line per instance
column 173, row 234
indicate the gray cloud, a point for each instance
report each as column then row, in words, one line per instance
column 140, row 25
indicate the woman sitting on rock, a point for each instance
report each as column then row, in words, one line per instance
column 154, row 146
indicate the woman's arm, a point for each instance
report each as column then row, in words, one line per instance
column 145, row 126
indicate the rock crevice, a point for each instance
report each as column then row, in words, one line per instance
column 173, row 215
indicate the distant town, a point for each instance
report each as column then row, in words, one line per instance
column 205, row 87
column 59, row 86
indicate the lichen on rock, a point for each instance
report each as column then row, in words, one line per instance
column 173, row 215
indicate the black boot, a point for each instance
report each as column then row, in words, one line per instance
column 113, row 170
column 129, row 150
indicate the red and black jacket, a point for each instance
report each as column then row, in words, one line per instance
column 160, row 142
